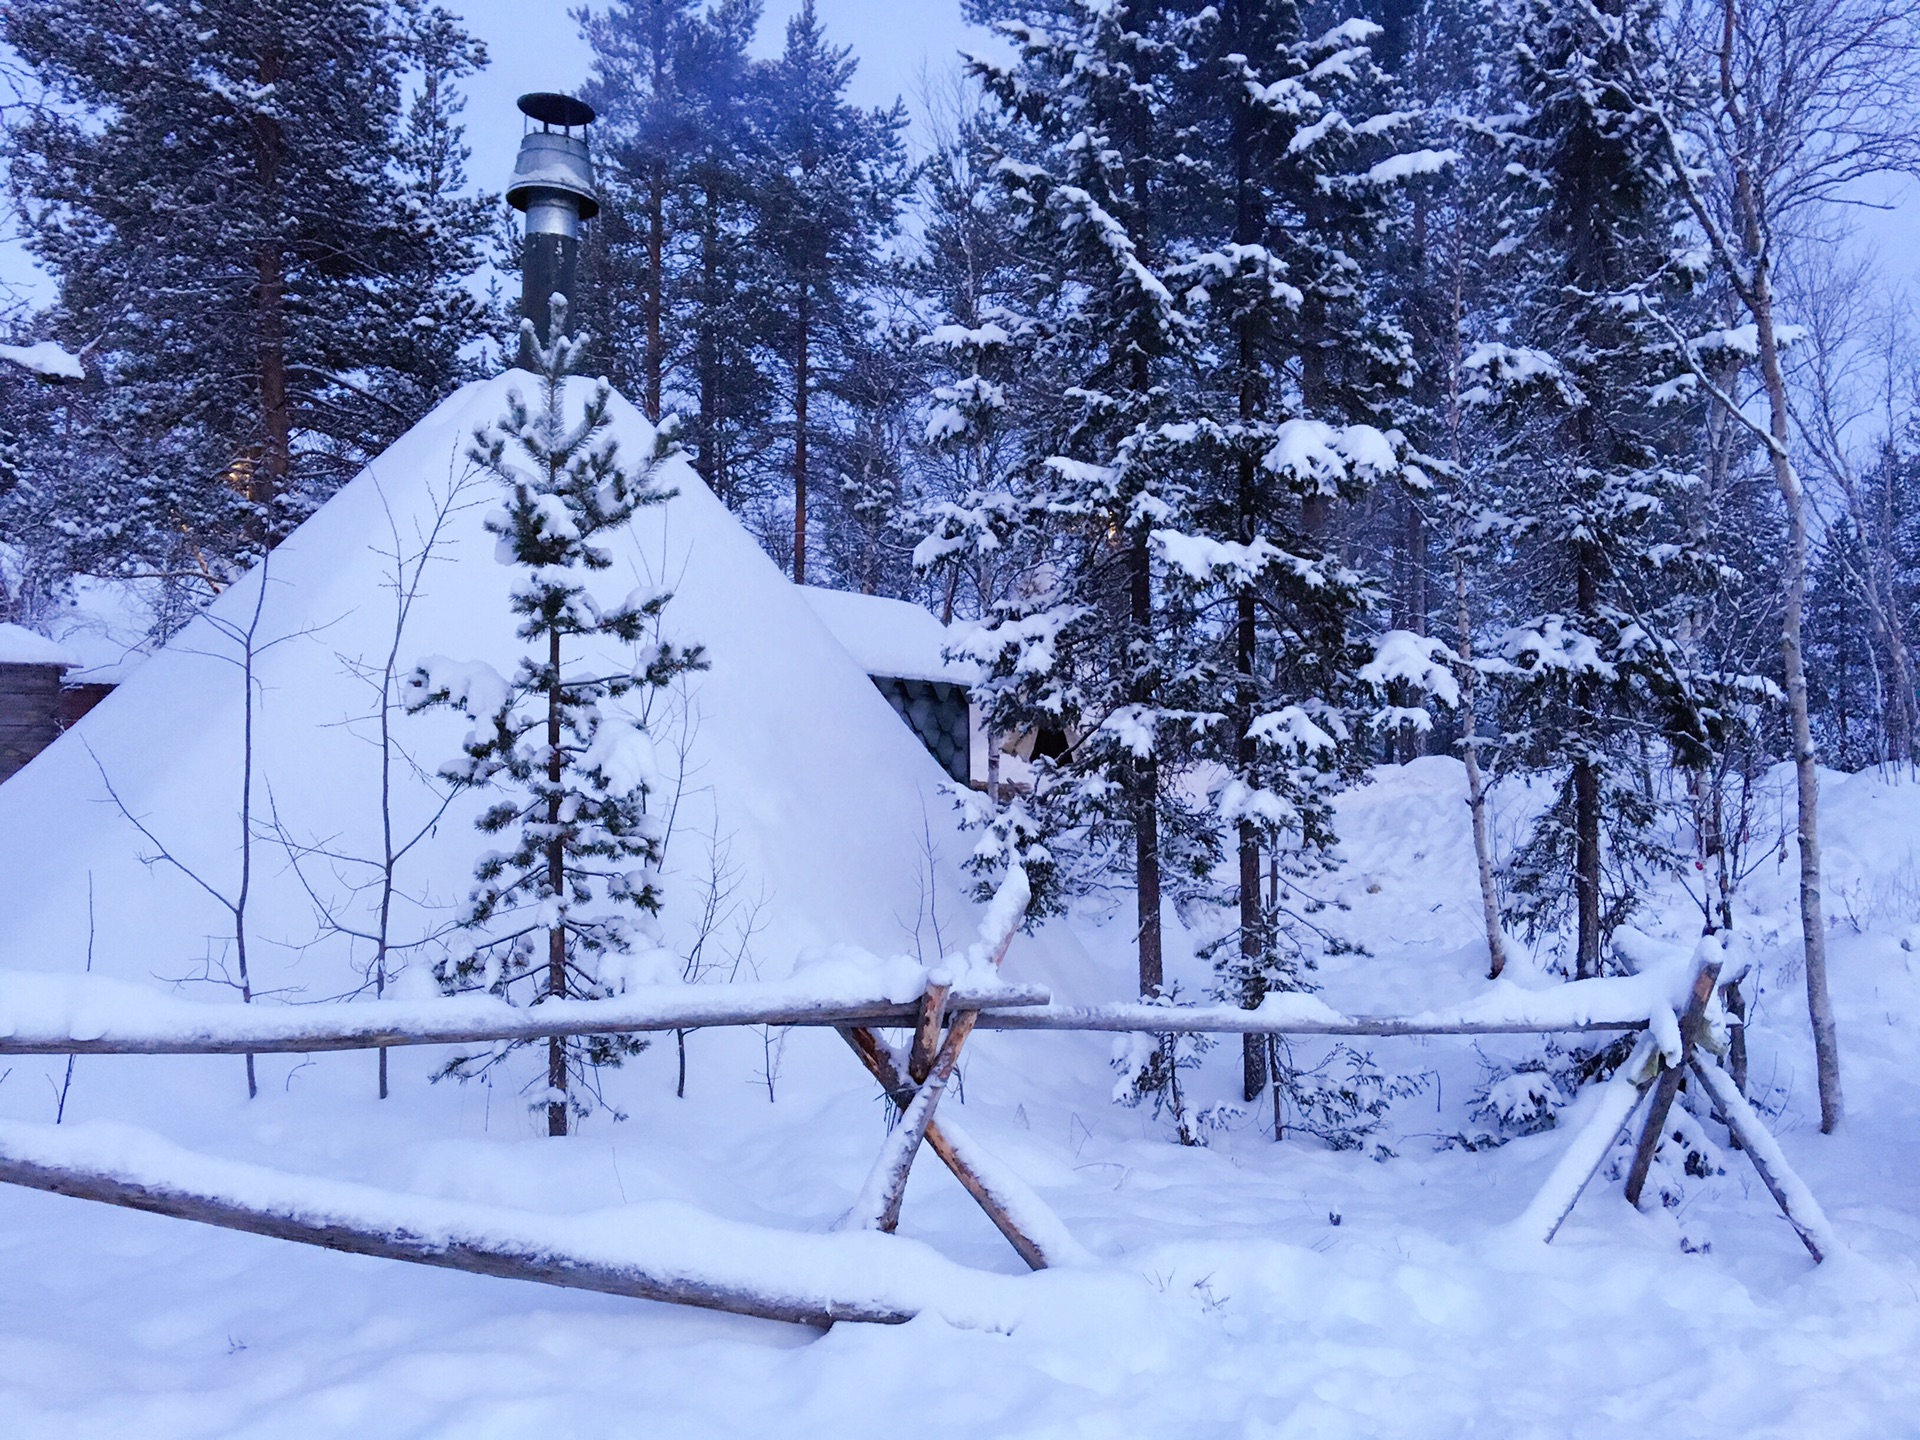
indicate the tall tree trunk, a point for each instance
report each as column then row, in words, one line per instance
column 1586, row 783
column 1813, row 928
column 1146, row 814
column 268, row 480
column 1253, row 922
column 1476, row 782
column 1879, row 590
column 712, row 465
column 800, row 384
column 656, row 285
column 556, row 882
column 655, row 299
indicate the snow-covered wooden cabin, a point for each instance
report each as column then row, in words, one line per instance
column 31, row 697
column 903, row 649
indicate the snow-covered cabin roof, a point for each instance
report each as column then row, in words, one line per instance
column 794, row 770
column 46, row 359
column 21, row 646
column 888, row 637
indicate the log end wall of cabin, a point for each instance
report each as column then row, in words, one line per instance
column 32, row 713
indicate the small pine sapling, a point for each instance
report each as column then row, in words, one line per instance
column 578, row 886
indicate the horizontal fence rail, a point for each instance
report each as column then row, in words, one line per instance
column 1230, row 1020
column 172, row 1027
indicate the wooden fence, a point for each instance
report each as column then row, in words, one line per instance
column 915, row 1078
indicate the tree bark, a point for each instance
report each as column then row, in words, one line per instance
column 713, row 452
column 556, row 883
column 268, row 479
column 1476, row 782
column 655, row 301
column 1813, row 928
column 1146, row 776
column 1586, row 784
column 801, row 381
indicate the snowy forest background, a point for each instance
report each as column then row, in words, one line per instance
column 1428, row 490
column 1285, row 387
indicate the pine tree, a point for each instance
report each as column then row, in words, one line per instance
column 444, row 230
column 1296, row 369
column 579, row 886
column 1847, row 690
column 722, row 312
column 215, row 188
column 979, row 408
column 648, row 137
column 830, row 183
column 1081, row 653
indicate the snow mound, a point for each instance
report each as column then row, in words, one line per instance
column 45, row 358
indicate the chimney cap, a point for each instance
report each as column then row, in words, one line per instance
column 552, row 109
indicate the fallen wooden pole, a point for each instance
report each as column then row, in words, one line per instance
column 293, row 1029
column 480, row 1240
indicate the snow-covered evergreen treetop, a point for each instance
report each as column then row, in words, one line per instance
column 564, row 740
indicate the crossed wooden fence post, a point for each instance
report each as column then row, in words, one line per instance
column 1015, row 1211
column 1657, row 1071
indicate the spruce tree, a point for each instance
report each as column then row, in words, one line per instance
column 1081, row 653
column 562, row 738
column 1295, row 371
column 1596, row 468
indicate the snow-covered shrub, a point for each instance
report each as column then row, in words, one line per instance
column 1523, row 1103
column 1525, row 1097
column 1342, row 1099
column 1148, row 1070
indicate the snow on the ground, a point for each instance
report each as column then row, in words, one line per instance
column 1247, row 1289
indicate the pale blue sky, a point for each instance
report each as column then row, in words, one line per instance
column 536, row 46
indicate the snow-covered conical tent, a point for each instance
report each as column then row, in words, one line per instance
column 793, row 786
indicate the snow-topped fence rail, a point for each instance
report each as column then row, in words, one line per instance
column 1679, row 1014
column 91, row 1015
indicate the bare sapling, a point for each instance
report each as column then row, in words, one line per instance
column 243, row 649
column 366, row 912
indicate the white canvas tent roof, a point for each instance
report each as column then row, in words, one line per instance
column 799, row 788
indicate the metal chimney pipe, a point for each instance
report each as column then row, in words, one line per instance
column 553, row 184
